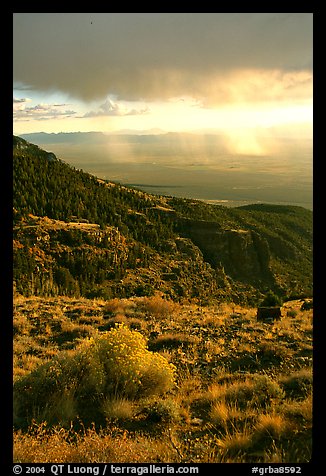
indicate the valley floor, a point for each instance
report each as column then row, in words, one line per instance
column 243, row 388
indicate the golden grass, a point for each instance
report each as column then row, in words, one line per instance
column 115, row 446
column 158, row 307
column 118, row 408
column 298, row 411
column 229, row 411
column 235, row 444
column 271, row 425
column 220, row 414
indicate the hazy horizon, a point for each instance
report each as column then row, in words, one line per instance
column 191, row 165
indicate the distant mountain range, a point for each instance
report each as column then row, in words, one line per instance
column 151, row 135
column 76, row 234
column 95, row 135
column 192, row 165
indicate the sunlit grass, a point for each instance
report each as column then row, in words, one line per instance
column 118, row 408
column 242, row 393
column 91, row 446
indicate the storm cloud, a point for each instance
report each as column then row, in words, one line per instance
column 153, row 56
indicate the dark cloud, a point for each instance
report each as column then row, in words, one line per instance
column 154, row 55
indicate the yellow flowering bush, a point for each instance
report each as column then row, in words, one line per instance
column 131, row 369
column 114, row 363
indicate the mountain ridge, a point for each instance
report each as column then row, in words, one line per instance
column 183, row 248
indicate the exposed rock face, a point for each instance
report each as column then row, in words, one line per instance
column 244, row 254
column 187, row 247
column 269, row 314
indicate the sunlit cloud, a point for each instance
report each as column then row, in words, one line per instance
column 39, row 112
column 20, row 100
column 112, row 108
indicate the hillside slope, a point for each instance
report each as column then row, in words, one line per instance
column 75, row 234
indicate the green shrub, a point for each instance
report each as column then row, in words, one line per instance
column 266, row 391
column 292, row 313
column 271, row 300
column 116, row 363
column 298, row 385
column 258, row 391
column 162, row 411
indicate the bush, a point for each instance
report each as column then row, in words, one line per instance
column 271, row 300
column 292, row 313
column 298, row 385
column 112, row 364
column 132, row 370
column 220, row 413
column 258, row 391
column 158, row 307
column 162, row 411
column 266, row 391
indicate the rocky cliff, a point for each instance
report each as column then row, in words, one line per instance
column 243, row 254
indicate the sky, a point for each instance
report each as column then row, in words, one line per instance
column 239, row 73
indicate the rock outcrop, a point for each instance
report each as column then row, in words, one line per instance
column 244, row 254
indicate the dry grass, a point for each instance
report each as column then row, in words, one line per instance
column 271, row 426
column 243, row 390
column 119, row 408
column 298, row 384
column 223, row 415
column 158, row 307
column 235, row 445
column 91, row 446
